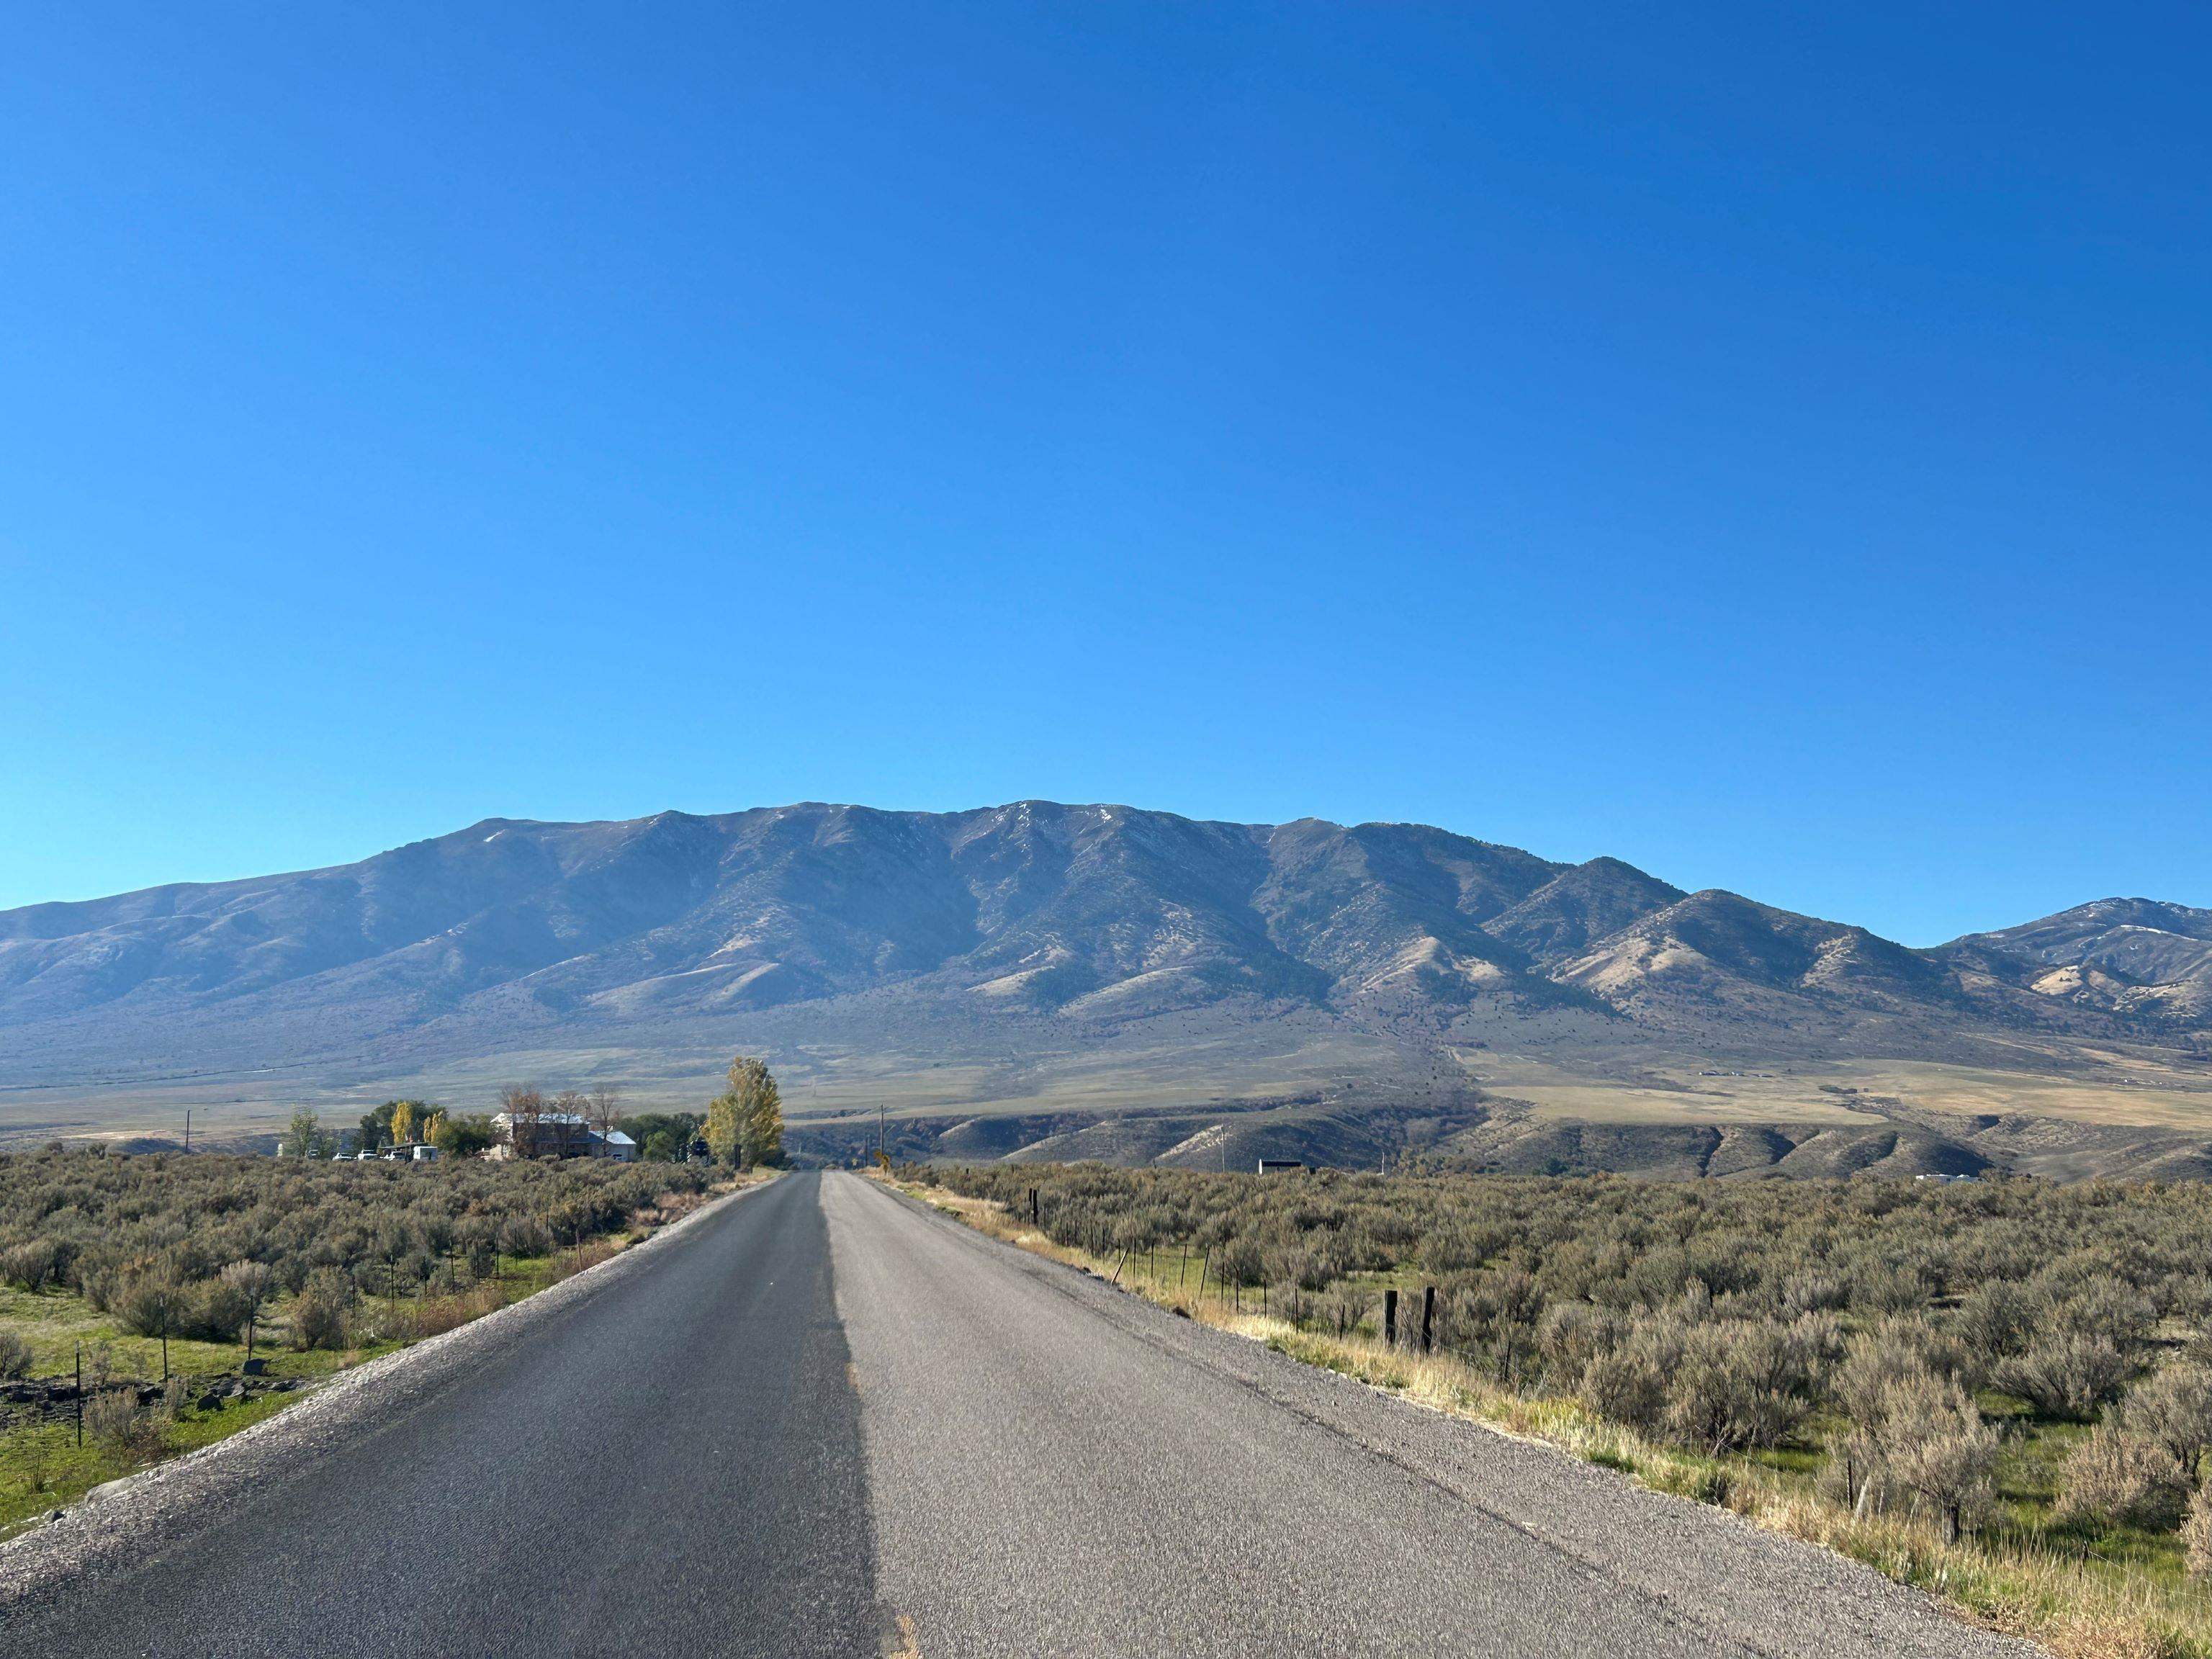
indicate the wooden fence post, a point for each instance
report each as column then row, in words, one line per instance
column 1033, row 1206
column 1390, row 1318
column 1428, row 1315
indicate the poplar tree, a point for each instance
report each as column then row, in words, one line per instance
column 745, row 1125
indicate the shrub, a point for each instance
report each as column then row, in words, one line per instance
column 1492, row 1317
column 2171, row 1409
column 1345, row 1307
column 114, row 1420
column 145, row 1302
column 33, row 1265
column 2105, row 1308
column 1292, row 1268
column 2124, row 1479
column 145, row 1239
column 1811, row 1292
column 1932, row 1445
column 318, row 1312
column 1572, row 1334
column 249, row 1285
column 1876, row 1362
column 15, row 1355
column 1738, row 1384
column 1890, row 1289
column 525, row 1236
column 2069, row 1374
column 1627, row 1386
column 1239, row 1262
column 2197, row 1535
column 1995, row 1320
column 213, row 1310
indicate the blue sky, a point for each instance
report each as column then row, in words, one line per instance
column 1771, row 445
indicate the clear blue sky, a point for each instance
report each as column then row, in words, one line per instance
column 1772, row 444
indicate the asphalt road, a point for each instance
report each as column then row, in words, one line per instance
column 824, row 1420
column 672, row 1466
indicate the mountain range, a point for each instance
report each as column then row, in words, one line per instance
column 1034, row 954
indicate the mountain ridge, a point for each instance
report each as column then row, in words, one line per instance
column 1021, row 933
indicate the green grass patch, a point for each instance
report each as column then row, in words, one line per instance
column 43, row 1467
column 1697, row 1479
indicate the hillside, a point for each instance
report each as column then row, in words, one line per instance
column 2130, row 956
column 1041, row 957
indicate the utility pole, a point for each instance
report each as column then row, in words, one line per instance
column 883, row 1124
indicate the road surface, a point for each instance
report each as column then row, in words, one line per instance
column 824, row 1421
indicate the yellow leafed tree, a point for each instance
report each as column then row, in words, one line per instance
column 744, row 1126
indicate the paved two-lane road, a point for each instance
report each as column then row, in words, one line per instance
column 823, row 1420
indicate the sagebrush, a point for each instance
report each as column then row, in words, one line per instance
column 1901, row 1333
column 167, row 1244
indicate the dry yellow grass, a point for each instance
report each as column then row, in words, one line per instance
column 2140, row 1092
column 2079, row 1609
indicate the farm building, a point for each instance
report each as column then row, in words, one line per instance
column 557, row 1134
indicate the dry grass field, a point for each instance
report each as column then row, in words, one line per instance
column 2149, row 1091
